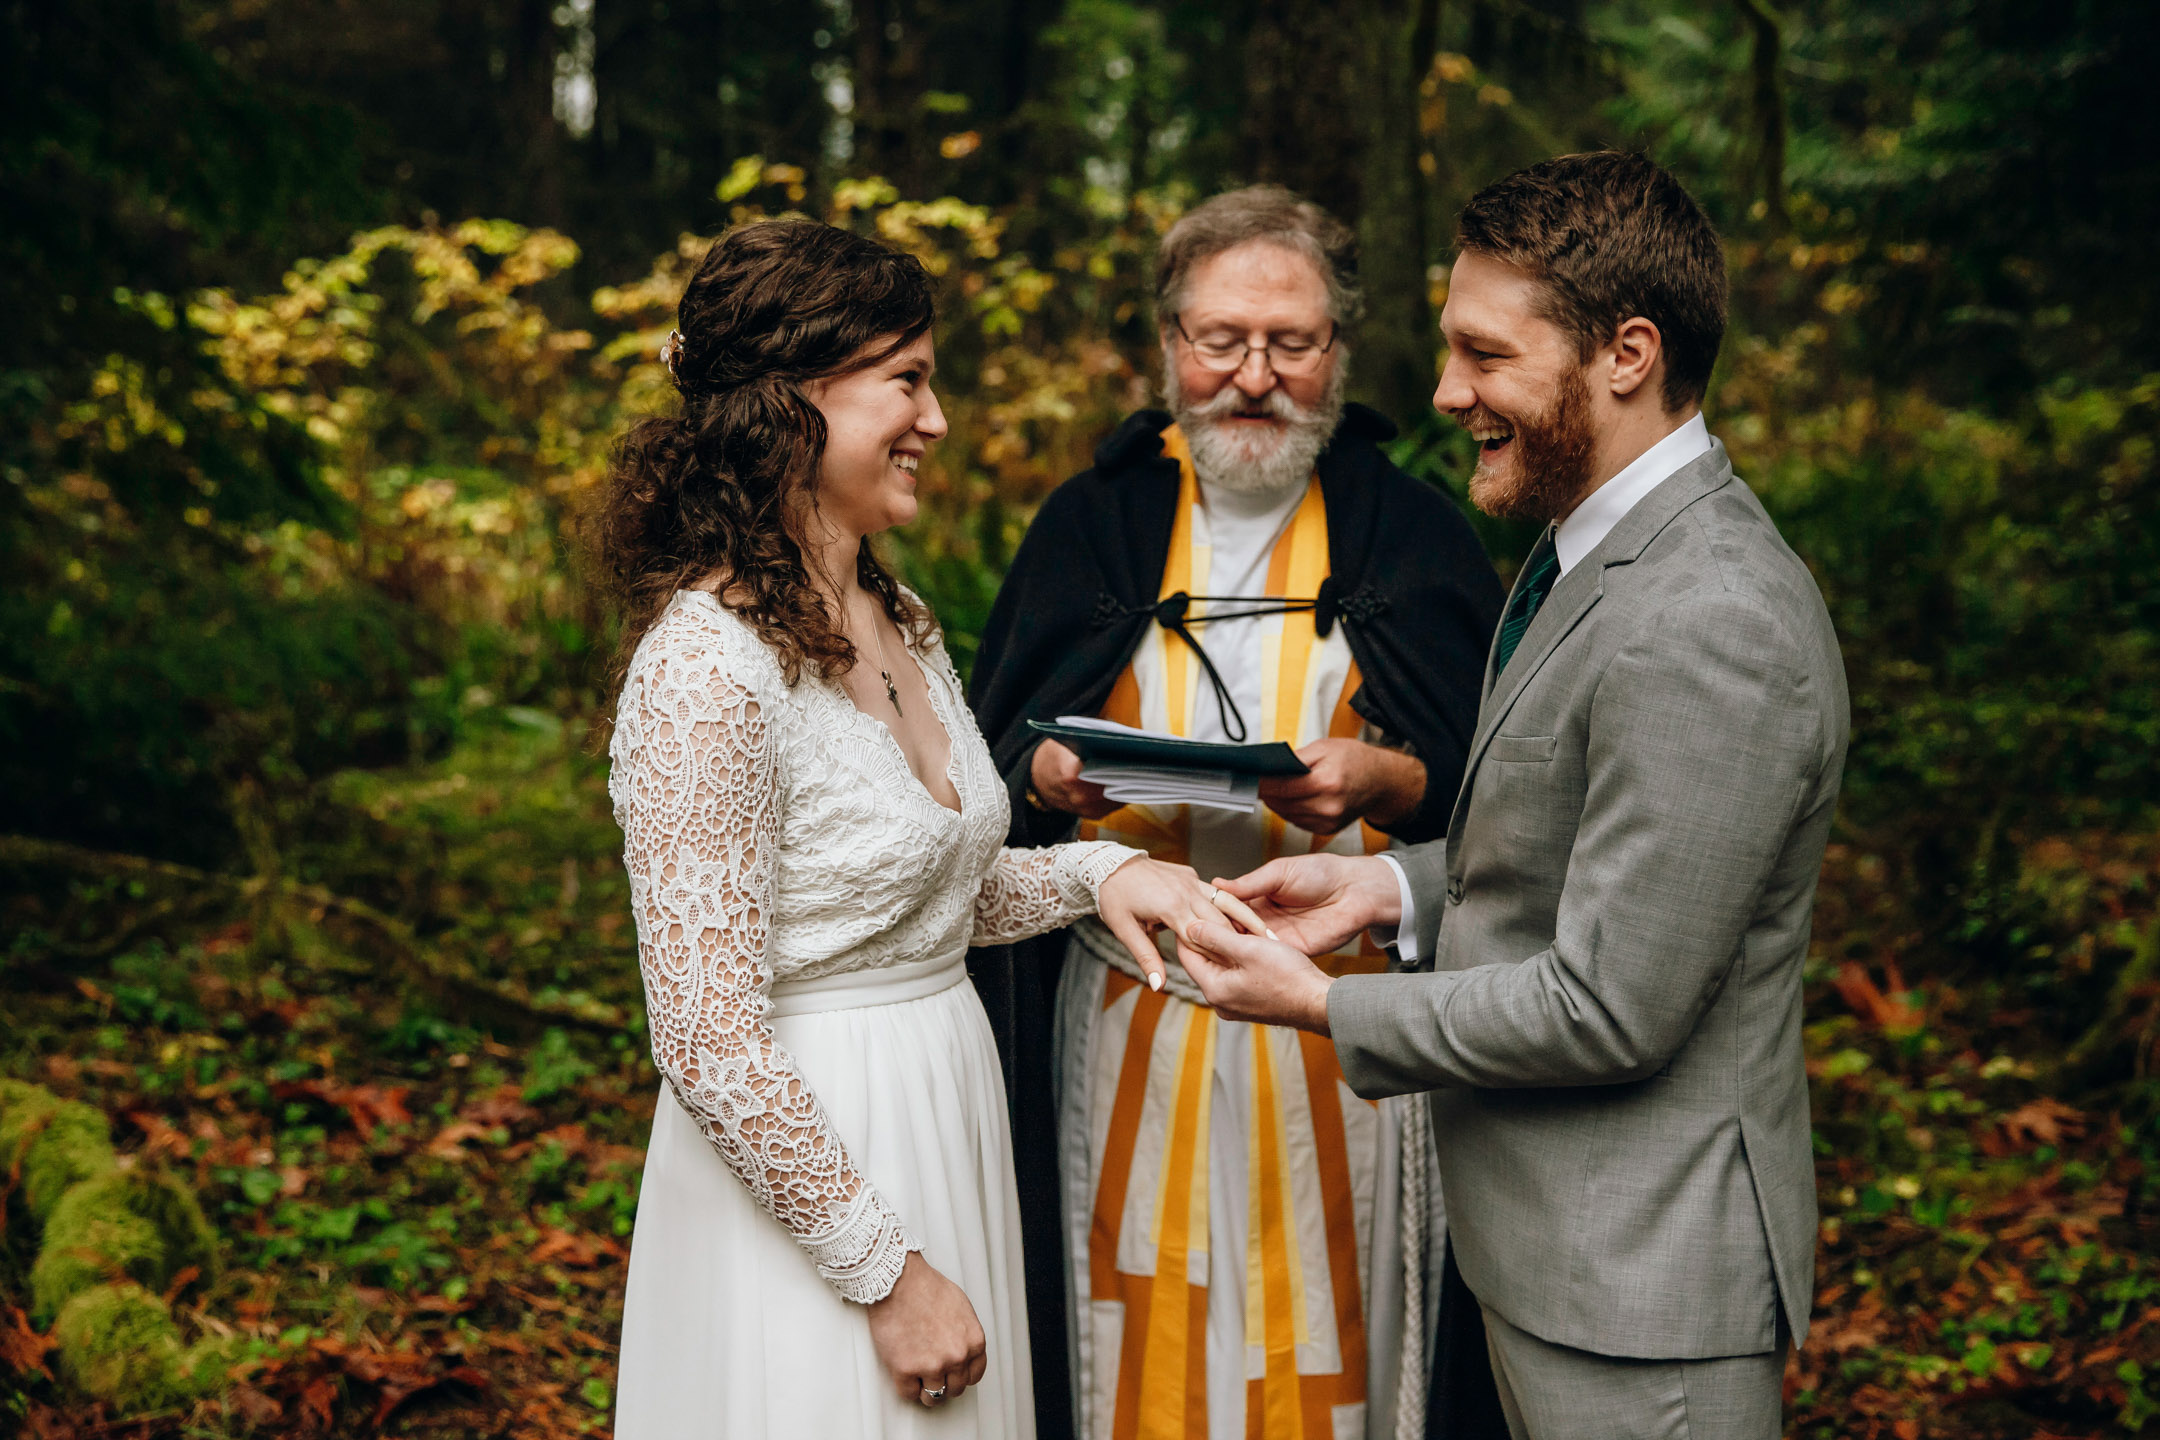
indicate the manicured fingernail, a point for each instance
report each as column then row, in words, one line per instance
column 1271, row 935
column 1154, row 982
column 1239, row 911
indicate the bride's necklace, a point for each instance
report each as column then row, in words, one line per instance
column 892, row 691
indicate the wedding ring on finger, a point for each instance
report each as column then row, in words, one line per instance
column 931, row 1397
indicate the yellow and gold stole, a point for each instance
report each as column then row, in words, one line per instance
column 1150, row 1077
column 1305, row 690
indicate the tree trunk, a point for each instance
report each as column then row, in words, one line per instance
column 1397, row 348
column 890, row 137
column 529, row 111
column 1332, row 112
column 1768, row 53
column 1304, row 125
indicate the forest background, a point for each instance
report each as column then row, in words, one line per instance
column 322, row 1076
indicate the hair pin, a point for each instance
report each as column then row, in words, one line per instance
column 671, row 352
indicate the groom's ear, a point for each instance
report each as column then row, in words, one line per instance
column 1634, row 358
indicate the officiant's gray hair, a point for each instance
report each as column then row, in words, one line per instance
column 1260, row 212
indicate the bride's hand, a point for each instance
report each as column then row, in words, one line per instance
column 1143, row 896
column 927, row 1336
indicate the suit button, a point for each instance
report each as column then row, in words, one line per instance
column 1454, row 892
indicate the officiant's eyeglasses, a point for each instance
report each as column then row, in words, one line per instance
column 1224, row 353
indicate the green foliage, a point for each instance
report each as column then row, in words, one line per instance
column 1993, row 582
column 1998, row 576
column 1927, row 147
column 554, row 1066
column 150, row 985
column 181, row 644
column 614, row 1201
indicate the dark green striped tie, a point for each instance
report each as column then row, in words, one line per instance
column 1539, row 572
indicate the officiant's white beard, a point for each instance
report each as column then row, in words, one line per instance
column 1242, row 459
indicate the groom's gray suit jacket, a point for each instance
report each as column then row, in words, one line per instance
column 1615, row 925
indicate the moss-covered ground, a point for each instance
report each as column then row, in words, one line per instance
column 422, row 1191
column 414, row 1119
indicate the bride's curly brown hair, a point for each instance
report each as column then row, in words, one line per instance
column 719, row 490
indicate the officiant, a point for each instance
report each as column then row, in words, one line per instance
column 1247, row 567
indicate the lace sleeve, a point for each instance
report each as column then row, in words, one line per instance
column 697, row 793
column 1030, row 891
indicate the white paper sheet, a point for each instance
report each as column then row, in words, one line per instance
column 1142, row 785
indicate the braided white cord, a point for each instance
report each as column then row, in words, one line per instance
column 1413, row 1378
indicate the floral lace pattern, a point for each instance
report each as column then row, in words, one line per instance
column 1029, row 892
column 775, row 833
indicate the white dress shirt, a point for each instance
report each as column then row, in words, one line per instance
column 1239, row 529
column 1590, row 522
column 1581, row 532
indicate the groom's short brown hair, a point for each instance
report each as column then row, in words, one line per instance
column 1609, row 236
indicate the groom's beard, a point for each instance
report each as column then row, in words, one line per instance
column 1549, row 464
column 1249, row 459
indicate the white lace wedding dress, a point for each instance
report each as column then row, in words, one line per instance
column 831, row 1096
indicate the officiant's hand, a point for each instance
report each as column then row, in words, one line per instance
column 1143, row 896
column 926, row 1335
column 1250, row 977
column 1055, row 776
column 1348, row 781
column 1318, row 902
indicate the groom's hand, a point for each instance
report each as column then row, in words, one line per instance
column 1249, row 977
column 1318, row 902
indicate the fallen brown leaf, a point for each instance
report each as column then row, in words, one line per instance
column 1865, row 1325
column 399, row 1375
column 2045, row 1121
column 160, row 1136
column 502, row 1106
column 22, row 1349
column 253, row 1406
column 367, row 1106
column 1871, row 1003
column 181, row 1281
column 449, row 1142
column 571, row 1248
column 42, row 1422
column 318, row 1402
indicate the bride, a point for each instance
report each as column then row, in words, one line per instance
column 827, row 1238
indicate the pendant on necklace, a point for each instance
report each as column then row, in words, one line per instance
column 892, row 691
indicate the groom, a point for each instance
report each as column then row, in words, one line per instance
column 1605, row 951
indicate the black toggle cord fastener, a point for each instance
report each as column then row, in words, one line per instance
column 1172, row 611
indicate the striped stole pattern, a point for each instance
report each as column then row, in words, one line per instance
column 1151, row 1078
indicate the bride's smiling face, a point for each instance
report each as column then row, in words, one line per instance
column 880, row 421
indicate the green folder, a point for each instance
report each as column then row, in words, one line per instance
column 1110, row 747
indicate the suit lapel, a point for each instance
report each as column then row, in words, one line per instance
column 1574, row 596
